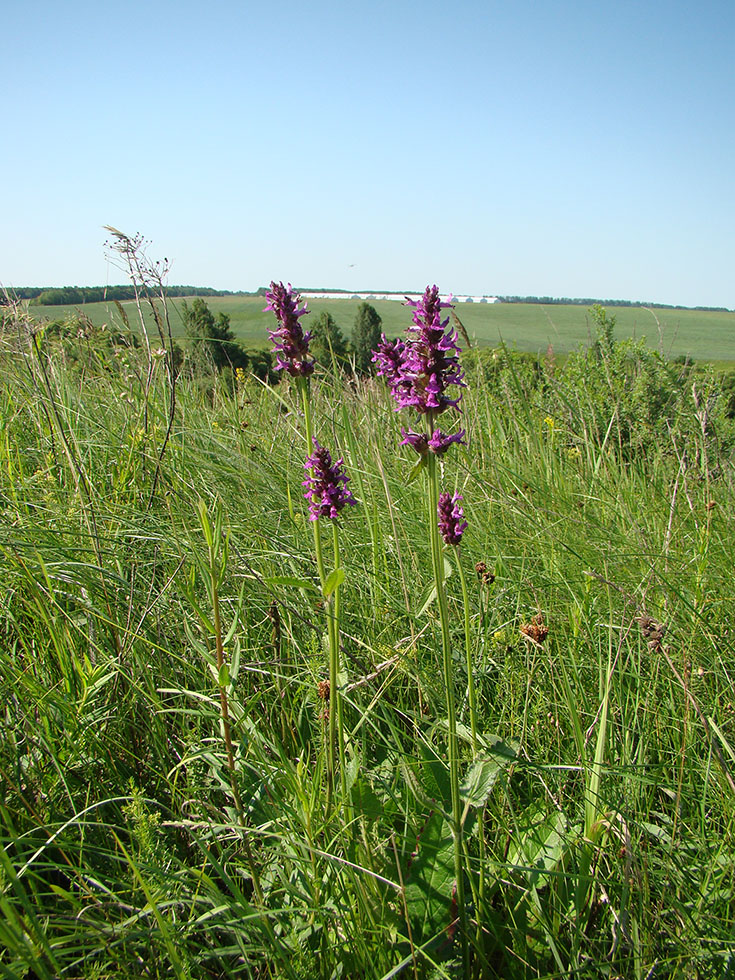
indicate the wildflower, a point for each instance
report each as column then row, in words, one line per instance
column 389, row 357
column 431, row 362
column 326, row 484
column 451, row 518
column 420, row 370
column 290, row 343
column 437, row 442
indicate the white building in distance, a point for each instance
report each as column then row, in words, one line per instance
column 400, row 297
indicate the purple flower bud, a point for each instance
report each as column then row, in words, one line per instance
column 290, row 343
column 326, row 484
column 451, row 518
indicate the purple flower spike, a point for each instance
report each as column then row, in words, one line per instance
column 290, row 343
column 326, row 484
column 420, row 371
column 451, row 518
column 430, row 363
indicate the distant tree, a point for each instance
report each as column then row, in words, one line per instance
column 328, row 343
column 366, row 337
column 212, row 341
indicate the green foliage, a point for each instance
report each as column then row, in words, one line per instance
column 328, row 344
column 366, row 335
column 599, row 833
column 625, row 394
column 212, row 341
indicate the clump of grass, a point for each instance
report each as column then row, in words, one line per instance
column 590, row 661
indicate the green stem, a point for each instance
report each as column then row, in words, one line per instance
column 303, row 386
column 214, row 572
column 335, row 658
column 438, row 563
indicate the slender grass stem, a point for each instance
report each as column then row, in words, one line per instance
column 471, row 692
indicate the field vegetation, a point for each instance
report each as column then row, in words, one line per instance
column 701, row 335
column 171, row 800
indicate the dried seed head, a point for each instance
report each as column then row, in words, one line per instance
column 652, row 631
column 485, row 576
column 536, row 630
column 322, row 689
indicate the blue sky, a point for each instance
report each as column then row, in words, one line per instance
column 561, row 148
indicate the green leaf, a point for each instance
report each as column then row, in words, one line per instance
column 430, row 598
column 539, row 845
column 478, row 784
column 416, row 469
column 334, row 580
column 205, row 522
column 366, row 801
column 223, row 678
column 430, row 880
column 292, row 580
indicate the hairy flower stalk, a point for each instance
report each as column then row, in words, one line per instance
column 420, row 372
column 327, row 493
column 325, row 484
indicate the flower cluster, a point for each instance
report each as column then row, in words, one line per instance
column 290, row 343
column 326, row 484
column 436, row 443
column 420, row 371
column 451, row 518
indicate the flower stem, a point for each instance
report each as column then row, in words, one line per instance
column 438, row 563
column 303, row 386
column 335, row 693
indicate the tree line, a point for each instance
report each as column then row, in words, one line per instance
column 77, row 295
column 213, row 344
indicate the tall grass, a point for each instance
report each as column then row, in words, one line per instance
column 146, row 831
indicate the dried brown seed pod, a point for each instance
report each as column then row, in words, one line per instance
column 536, row 630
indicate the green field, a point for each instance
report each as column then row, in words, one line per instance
column 238, row 744
column 705, row 336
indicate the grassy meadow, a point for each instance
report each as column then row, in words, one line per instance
column 703, row 335
column 167, row 806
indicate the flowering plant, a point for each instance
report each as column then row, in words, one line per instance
column 326, row 484
column 451, row 518
column 290, row 343
column 420, row 370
